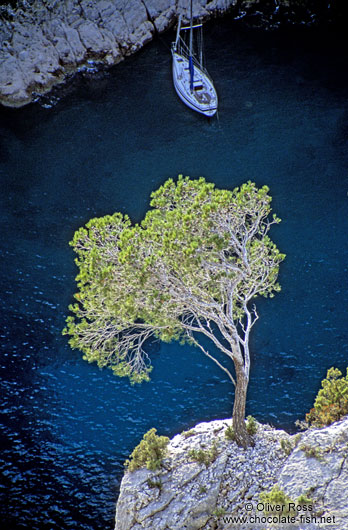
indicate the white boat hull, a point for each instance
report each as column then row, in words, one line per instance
column 203, row 97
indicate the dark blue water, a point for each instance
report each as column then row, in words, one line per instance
column 67, row 426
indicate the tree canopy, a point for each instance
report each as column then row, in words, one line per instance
column 190, row 268
column 331, row 403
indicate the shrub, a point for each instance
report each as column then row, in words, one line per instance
column 331, row 403
column 276, row 497
column 188, row 434
column 230, row 434
column 204, row 456
column 312, row 452
column 297, row 438
column 289, row 445
column 149, row 453
column 251, row 425
column 303, row 499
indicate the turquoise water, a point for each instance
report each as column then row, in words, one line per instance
column 114, row 137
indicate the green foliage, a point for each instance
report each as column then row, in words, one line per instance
column 289, row 445
column 312, row 452
column 149, row 453
column 276, row 497
column 230, row 434
column 331, row 403
column 204, row 456
column 145, row 281
column 202, row 490
column 303, row 499
column 188, row 434
column 251, row 425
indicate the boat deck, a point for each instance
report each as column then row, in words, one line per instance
column 203, row 97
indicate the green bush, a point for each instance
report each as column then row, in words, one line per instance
column 312, row 452
column 204, row 456
column 149, row 453
column 276, row 497
column 251, row 425
column 303, row 499
column 188, row 434
column 331, row 403
column 230, row 434
column 289, row 445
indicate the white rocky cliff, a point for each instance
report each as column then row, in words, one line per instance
column 186, row 494
column 41, row 45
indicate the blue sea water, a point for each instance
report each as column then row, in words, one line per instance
column 283, row 121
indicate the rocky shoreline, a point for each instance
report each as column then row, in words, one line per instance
column 43, row 42
column 187, row 494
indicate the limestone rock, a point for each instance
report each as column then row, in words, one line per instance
column 191, row 491
column 48, row 41
column 106, row 10
column 91, row 37
column 13, row 86
column 319, row 465
column 162, row 13
column 185, row 493
column 73, row 40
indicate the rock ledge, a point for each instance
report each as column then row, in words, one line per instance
column 185, row 494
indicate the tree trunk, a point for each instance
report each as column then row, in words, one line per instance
column 238, row 417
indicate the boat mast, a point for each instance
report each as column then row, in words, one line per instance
column 177, row 34
column 190, row 51
column 191, row 31
column 201, row 48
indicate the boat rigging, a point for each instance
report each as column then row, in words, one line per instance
column 191, row 80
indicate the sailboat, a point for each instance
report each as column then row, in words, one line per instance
column 191, row 80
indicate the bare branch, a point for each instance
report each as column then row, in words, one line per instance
column 213, row 359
